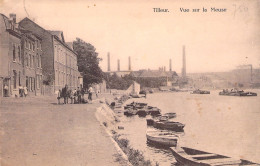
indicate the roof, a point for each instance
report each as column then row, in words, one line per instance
column 154, row 73
column 8, row 25
column 70, row 44
column 52, row 33
column 59, row 34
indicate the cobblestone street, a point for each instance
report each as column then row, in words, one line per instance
column 37, row 131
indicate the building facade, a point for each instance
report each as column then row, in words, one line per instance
column 59, row 61
column 14, row 74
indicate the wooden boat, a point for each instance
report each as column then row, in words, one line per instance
column 141, row 112
column 198, row 91
column 154, row 111
column 168, row 125
column 170, row 115
column 236, row 93
column 192, row 157
column 149, row 122
column 130, row 112
column 163, row 138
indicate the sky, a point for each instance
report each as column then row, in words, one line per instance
column 214, row 41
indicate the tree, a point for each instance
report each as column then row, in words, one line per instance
column 88, row 62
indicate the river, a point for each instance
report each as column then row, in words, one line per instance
column 226, row 125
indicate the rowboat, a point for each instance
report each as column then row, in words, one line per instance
column 168, row 125
column 130, row 112
column 154, row 111
column 193, row 157
column 163, row 138
column 141, row 112
column 235, row 92
column 170, row 115
column 149, row 122
column 198, row 91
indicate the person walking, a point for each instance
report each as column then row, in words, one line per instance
column 90, row 92
column 79, row 95
column 5, row 90
column 25, row 90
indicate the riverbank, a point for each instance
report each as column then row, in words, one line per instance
column 110, row 120
column 37, row 131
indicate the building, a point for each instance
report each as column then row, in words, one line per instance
column 31, row 62
column 20, row 59
column 59, row 61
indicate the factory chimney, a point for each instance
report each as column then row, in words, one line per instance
column 170, row 65
column 118, row 65
column 129, row 63
column 108, row 61
column 183, row 63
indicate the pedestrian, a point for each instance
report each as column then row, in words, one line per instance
column 5, row 90
column 79, row 95
column 64, row 94
column 25, row 90
column 90, row 91
column 21, row 91
column 82, row 94
column 75, row 96
column 59, row 96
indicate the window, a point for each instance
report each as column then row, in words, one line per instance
column 14, row 78
column 26, row 60
column 19, row 78
column 19, row 53
column 33, row 84
column 33, row 46
column 40, row 61
column 30, row 46
column 33, row 61
column 29, row 60
column 14, row 58
column 27, row 82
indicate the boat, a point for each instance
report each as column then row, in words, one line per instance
column 198, row 91
column 170, row 115
column 154, row 111
column 168, row 125
column 141, row 112
column 235, row 92
column 149, row 122
column 163, row 138
column 193, row 157
column 130, row 112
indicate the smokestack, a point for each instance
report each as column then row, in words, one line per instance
column 164, row 68
column 170, row 65
column 13, row 17
column 108, row 61
column 129, row 63
column 183, row 63
column 118, row 65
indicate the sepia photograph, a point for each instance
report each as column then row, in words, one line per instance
column 129, row 83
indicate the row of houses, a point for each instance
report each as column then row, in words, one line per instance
column 36, row 58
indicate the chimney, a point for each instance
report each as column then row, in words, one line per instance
column 12, row 17
column 118, row 65
column 108, row 61
column 129, row 63
column 183, row 63
column 164, row 68
column 170, row 65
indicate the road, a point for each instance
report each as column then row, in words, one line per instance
column 37, row 131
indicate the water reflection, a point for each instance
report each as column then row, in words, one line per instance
column 208, row 120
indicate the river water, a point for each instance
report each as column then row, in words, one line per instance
column 226, row 125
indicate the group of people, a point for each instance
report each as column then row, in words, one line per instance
column 76, row 95
column 23, row 91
